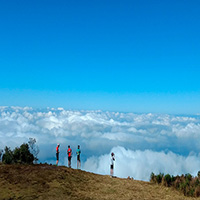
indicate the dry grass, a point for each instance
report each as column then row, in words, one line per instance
column 51, row 183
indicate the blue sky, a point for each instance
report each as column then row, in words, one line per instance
column 132, row 56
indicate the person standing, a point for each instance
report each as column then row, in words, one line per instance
column 57, row 154
column 78, row 153
column 112, row 164
column 69, row 152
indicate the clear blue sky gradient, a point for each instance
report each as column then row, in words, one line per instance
column 132, row 56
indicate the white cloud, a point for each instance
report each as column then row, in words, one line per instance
column 140, row 164
column 98, row 132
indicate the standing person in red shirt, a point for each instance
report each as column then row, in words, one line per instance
column 69, row 152
column 57, row 154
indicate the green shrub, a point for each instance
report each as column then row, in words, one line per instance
column 20, row 154
column 153, row 178
column 197, row 191
column 173, row 179
column 23, row 155
column 7, row 156
column 183, row 187
column 189, row 185
column 1, row 152
column 188, row 177
column 177, row 182
column 191, row 192
column 198, row 174
column 159, row 178
column 34, row 149
column 16, row 155
column 197, row 182
column 167, row 180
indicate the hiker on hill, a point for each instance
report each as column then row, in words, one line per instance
column 112, row 164
column 69, row 152
column 57, row 154
column 78, row 153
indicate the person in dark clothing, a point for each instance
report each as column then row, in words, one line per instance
column 112, row 164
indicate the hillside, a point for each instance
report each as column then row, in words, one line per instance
column 51, row 182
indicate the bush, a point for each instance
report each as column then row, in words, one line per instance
column 34, row 149
column 153, row 178
column 167, row 180
column 23, row 155
column 173, row 179
column 198, row 174
column 188, row 177
column 20, row 154
column 177, row 182
column 7, row 156
column 159, row 178
column 1, row 152
column 16, row 155
column 197, row 191
column 197, row 182
column 183, row 187
column 190, row 192
column 189, row 185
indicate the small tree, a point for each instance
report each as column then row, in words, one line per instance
column 34, row 149
column 188, row 178
column 198, row 174
column 159, row 178
column 167, row 180
column 153, row 178
column 197, row 191
column 7, row 156
column 16, row 155
column 22, row 154
column 25, row 156
column 1, row 152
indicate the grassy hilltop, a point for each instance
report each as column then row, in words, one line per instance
column 51, row 182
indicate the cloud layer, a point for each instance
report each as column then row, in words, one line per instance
column 140, row 164
column 142, row 142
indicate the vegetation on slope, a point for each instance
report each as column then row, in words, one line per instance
column 50, row 182
column 25, row 154
column 189, row 185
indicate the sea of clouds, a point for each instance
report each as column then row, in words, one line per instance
column 142, row 143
